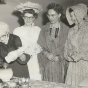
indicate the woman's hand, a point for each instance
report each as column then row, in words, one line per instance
column 50, row 56
column 56, row 58
column 53, row 58
column 45, row 53
column 22, row 57
column 12, row 56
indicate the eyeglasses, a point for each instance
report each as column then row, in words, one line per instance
column 26, row 17
column 4, row 36
column 51, row 15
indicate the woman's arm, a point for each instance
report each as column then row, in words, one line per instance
column 83, row 47
column 42, row 42
column 19, row 50
column 1, row 62
column 23, row 59
column 68, row 52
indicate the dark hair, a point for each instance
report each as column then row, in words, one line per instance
column 58, row 8
column 70, row 10
column 31, row 11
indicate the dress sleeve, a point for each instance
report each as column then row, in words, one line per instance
column 17, row 45
column 83, row 46
column 3, row 53
column 16, row 31
column 36, row 37
column 82, row 53
column 24, row 62
column 42, row 40
column 67, row 50
column 17, row 42
column 1, row 62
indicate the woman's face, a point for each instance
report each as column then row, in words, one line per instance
column 73, row 17
column 53, row 16
column 4, row 37
column 28, row 19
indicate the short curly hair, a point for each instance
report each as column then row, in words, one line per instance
column 31, row 11
column 56, row 7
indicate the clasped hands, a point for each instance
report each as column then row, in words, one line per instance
column 51, row 57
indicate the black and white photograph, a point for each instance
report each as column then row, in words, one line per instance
column 43, row 43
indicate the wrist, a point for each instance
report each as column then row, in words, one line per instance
column 45, row 53
column 20, row 51
column 8, row 60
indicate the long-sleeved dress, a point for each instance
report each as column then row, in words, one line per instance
column 75, row 50
column 76, row 47
column 19, row 67
column 29, row 36
column 53, row 71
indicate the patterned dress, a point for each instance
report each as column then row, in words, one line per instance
column 53, row 71
column 76, row 49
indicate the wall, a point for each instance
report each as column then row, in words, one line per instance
column 81, row 1
column 14, row 20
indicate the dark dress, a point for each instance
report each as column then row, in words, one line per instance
column 19, row 67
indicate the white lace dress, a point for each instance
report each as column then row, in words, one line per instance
column 29, row 36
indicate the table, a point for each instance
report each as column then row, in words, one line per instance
column 45, row 84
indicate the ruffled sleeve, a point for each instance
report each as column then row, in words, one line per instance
column 34, row 48
column 18, row 44
column 83, row 46
column 82, row 53
column 68, row 48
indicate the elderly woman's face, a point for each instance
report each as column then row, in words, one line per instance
column 53, row 16
column 3, row 37
column 73, row 17
column 28, row 19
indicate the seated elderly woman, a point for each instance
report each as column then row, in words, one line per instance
column 11, row 52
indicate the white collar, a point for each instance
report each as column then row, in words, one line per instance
column 30, row 25
column 55, row 26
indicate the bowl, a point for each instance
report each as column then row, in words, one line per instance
column 6, row 74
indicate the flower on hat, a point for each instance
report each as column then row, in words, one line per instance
column 29, row 5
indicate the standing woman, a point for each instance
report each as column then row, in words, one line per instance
column 76, row 47
column 52, row 62
column 29, row 34
column 12, row 53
